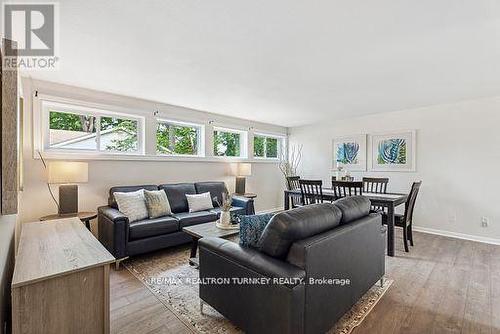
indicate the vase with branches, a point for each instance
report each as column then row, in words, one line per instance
column 289, row 164
column 225, row 205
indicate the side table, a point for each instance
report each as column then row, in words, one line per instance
column 85, row 217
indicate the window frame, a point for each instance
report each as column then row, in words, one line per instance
column 243, row 143
column 200, row 139
column 280, row 148
column 78, row 109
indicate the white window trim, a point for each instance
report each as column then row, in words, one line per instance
column 243, row 143
column 76, row 108
column 281, row 145
column 148, row 135
column 200, row 139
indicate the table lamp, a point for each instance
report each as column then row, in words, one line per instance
column 243, row 170
column 66, row 174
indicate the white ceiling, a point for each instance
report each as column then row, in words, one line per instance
column 283, row 62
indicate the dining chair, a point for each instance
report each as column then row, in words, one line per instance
column 375, row 185
column 311, row 191
column 347, row 188
column 293, row 184
column 405, row 221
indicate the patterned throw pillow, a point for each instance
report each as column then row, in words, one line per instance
column 157, row 203
column 251, row 228
column 132, row 204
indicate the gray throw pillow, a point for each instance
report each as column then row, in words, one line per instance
column 157, row 203
column 199, row 202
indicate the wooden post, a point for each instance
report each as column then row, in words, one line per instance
column 8, row 102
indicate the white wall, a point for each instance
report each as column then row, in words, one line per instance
column 266, row 179
column 458, row 160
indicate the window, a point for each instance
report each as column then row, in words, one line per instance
column 79, row 128
column 118, row 135
column 229, row 143
column 72, row 131
column 266, row 146
column 175, row 138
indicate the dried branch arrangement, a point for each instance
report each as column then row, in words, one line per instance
column 289, row 166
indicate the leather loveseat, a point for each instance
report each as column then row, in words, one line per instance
column 123, row 239
column 307, row 254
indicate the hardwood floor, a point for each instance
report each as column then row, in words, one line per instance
column 443, row 285
column 134, row 309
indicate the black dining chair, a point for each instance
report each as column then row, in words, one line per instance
column 406, row 221
column 311, row 191
column 376, row 185
column 292, row 183
column 347, row 188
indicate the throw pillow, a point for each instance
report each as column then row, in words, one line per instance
column 199, row 202
column 132, row 204
column 251, row 228
column 157, row 203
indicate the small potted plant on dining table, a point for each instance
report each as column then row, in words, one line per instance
column 225, row 214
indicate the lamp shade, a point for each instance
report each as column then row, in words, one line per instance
column 68, row 172
column 244, row 169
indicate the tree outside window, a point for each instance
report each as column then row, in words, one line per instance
column 227, row 144
column 79, row 131
column 265, row 147
column 118, row 134
column 177, row 139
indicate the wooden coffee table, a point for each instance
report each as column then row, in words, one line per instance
column 203, row 231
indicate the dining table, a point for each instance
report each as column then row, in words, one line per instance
column 389, row 201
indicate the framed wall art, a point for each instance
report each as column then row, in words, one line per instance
column 395, row 151
column 349, row 152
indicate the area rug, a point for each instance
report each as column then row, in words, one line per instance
column 172, row 280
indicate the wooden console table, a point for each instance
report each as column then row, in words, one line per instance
column 61, row 280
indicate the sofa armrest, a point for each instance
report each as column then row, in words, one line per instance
column 113, row 230
column 353, row 253
column 252, row 260
column 244, row 202
column 265, row 306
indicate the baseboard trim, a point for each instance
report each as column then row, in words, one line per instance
column 270, row 210
column 456, row 235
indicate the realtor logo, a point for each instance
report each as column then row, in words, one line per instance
column 33, row 28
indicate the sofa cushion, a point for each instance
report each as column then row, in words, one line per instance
column 353, row 208
column 153, row 227
column 176, row 194
column 289, row 226
column 251, row 228
column 194, row 218
column 216, row 189
column 126, row 189
column 235, row 210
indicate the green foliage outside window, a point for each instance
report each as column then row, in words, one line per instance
column 71, row 122
column 226, row 144
column 124, row 129
column 265, row 147
column 120, row 126
column 176, row 139
column 259, row 149
column 272, row 147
